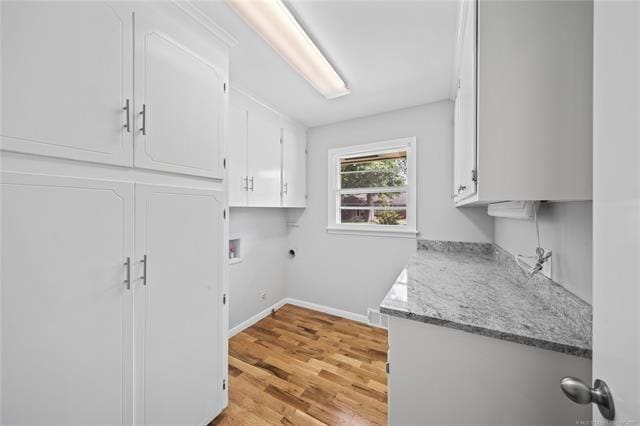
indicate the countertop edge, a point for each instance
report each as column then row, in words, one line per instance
column 487, row 332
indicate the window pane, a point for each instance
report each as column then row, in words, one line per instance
column 374, row 216
column 383, row 170
column 379, row 199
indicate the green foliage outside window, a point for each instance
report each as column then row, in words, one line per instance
column 378, row 173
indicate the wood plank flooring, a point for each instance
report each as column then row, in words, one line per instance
column 303, row 367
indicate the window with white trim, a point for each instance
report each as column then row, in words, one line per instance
column 372, row 188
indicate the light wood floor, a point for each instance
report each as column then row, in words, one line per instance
column 300, row 366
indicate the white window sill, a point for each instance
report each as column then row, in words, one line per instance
column 373, row 231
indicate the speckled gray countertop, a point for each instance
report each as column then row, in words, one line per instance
column 478, row 288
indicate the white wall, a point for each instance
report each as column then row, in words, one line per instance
column 355, row 272
column 565, row 229
column 263, row 232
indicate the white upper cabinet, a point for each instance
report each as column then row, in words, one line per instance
column 533, row 136
column 237, row 156
column 267, row 158
column 67, row 80
column 465, row 108
column 294, row 165
column 264, row 156
column 180, row 100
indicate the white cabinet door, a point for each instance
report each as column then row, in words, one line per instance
column 265, row 155
column 180, row 103
column 67, row 346
column 465, row 114
column 179, row 310
column 66, row 78
column 237, row 157
column 294, row 166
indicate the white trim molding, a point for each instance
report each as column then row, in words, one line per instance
column 199, row 16
column 257, row 317
column 303, row 304
column 327, row 310
column 374, row 231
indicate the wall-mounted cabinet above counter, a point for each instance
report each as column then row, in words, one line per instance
column 266, row 156
column 523, row 101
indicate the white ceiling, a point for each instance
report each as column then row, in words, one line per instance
column 392, row 54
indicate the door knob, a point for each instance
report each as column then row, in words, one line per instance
column 580, row 393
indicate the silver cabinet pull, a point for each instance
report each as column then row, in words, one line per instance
column 144, row 270
column 143, row 113
column 580, row 393
column 251, row 184
column 127, row 281
column 286, row 187
column 126, row 110
column 246, row 183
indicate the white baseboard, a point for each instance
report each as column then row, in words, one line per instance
column 303, row 304
column 327, row 310
column 257, row 317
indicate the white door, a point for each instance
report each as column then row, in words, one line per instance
column 179, row 330
column 67, row 346
column 294, row 166
column 616, row 205
column 180, row 103
column 264, row 160
column 466, row 101
column 237, row 157
column 67, row 79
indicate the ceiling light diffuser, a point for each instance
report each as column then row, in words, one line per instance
column 278, row 27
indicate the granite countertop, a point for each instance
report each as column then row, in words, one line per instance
column 478, row 288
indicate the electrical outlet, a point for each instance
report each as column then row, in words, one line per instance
column 263, row 295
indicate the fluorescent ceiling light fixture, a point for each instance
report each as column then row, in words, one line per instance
column 278, row 27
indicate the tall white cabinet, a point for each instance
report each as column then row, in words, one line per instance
column 114, row 279
column 267, row 156
column 179, row 324
column 67, row 312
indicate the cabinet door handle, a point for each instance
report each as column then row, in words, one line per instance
column 143, row 113
column 126, row 111
column 127, row 281
column 251, row 184
column 286, row 188
column 246, row 183
column 144, row 270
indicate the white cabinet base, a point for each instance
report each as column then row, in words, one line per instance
column 67, row 343
column 440, row 376
column 180, row 361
